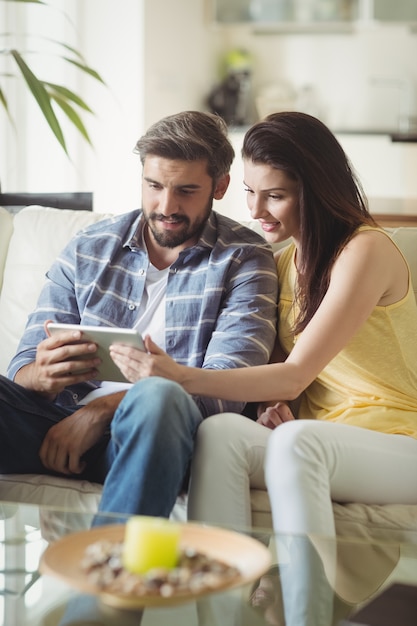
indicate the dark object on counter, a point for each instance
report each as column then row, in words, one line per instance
column 396, row 606
column 404, row 137
column 231, row 99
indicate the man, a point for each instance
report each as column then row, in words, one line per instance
column 201, row 285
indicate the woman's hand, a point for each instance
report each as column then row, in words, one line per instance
column 136, row 364
column 275, row 415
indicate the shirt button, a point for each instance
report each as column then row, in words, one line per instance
column 131, row 307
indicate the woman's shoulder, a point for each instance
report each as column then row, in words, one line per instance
column 368, row 236
column 372, row 257
column 378, row 243
column 367, row 247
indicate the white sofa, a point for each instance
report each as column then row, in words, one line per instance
column 29, row 242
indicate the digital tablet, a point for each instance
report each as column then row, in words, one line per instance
column 104, row 337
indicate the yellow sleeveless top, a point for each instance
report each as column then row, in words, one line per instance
column 372, row 382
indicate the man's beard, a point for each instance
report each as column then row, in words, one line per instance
column 168, row 239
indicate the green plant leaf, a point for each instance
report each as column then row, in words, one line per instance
column 41, row 96
column 69, row 48
column 3, row 100
column 86, row 69
column 5, row 105
column 67, row 94
column 50, row 95
column 72, row 115
column 80, row 64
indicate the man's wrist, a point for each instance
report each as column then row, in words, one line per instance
column 25, row 378
column 105, row 406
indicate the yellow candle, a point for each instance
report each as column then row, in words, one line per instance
column 150, row 542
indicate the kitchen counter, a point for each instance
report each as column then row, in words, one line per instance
column 404, row 137
column 394, row 212
column 364, row 131
column 337, row 131
column 393, row 134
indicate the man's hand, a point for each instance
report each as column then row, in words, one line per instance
column 273, row 416
column 60, row 361
column 67, row 441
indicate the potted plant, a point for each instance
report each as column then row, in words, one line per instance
column 49, row 96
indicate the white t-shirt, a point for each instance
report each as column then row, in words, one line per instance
column 151, row 315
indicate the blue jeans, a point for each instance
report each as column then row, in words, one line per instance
column 143, row 460
column 150, row 449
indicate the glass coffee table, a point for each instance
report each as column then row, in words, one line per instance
column 30, row 598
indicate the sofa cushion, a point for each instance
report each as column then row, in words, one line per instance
column 39, row 235
column 389, row 522
column 60, row 497
column 79, row 495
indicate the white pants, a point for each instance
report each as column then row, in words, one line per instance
column 307, row 464
column 310, row 463
column 228, row 460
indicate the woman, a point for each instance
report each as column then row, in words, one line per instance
column 348, row 332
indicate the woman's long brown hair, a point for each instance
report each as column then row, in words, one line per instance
column 332, row 203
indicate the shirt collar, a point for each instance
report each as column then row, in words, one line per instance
column 134, row 235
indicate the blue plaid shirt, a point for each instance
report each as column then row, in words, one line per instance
column 220, row 300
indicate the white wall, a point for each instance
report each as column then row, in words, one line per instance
column 112, row 36
column 180, row 56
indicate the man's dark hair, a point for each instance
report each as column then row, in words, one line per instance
column 190, row 136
